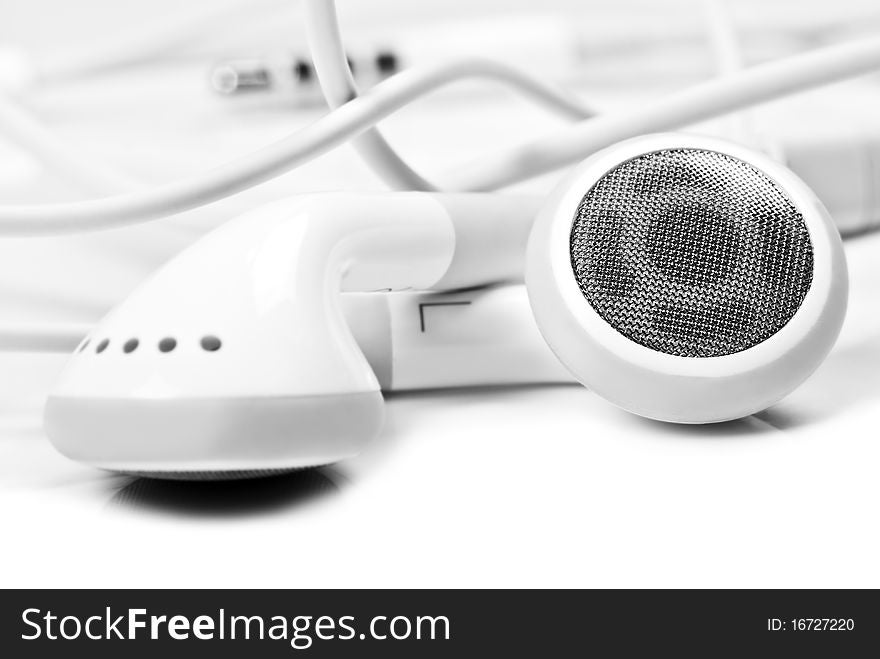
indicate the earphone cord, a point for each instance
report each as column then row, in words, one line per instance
column 338, row 86
column 717, row 97
column 748, row 87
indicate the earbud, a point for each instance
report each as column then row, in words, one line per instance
column 680, row 277
column 687, row 279
column 235, row 360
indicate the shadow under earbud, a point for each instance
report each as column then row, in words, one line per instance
column 749, row 426
column 227, row 498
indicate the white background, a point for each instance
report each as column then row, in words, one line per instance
column 542, row 486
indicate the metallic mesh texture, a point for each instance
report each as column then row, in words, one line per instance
column 691, row 253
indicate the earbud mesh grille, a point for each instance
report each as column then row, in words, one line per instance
column 691, row 253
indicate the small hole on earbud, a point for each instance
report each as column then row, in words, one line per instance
column 83, row 345
column 102, row 346
column 130, row 346
column 211, row 343
column 167, row 344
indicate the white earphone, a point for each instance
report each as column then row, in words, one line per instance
column 242, row 336
column 235, row 358
column 682, row 278
column 715, row 383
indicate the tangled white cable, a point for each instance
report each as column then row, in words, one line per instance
column 748, row 87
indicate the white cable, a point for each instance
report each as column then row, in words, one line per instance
column 41, row 338
column 726, row 48
column 751, row 86
column 338, row 86
column 324, row 134
column 729, row 58
column 717, row 97
column 20, row 128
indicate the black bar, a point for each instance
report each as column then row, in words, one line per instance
column 518, row 623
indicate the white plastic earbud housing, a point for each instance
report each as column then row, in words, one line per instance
column 288, row 386
column 664, row 386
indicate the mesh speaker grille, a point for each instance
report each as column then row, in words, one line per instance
column 691, row 253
